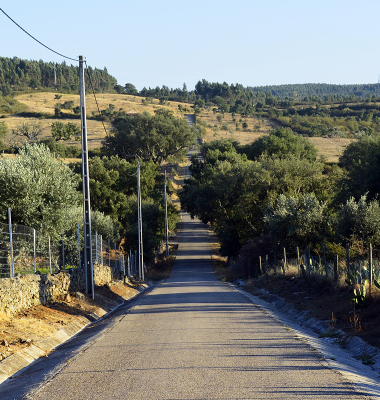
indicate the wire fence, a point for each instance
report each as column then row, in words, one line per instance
column 23, row 250
column 352, row 270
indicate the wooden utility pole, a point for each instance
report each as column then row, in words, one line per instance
column 88, row 268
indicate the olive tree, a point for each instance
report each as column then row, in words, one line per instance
column 37, row 188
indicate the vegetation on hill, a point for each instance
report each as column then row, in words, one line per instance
column 19, row 75
column 277, row 188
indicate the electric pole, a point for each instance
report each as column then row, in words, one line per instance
column 139, row 216
column 88, row 269
column 166, row 222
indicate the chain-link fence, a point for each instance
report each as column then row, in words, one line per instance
column 24, row 250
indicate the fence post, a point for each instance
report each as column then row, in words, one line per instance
column 109, row 252
column 298, row 259
column 260, row 266
column 63, row 252
column 370, row 270
column 284, row 263
column 348, row 260
column 96, row 248
column 129, row 267
column 34, row 250
column 115, row 265
column 336, row 277
column 11, row 242
column 324, row 259
column 78, row 247
column 101, row 249
column 120, row 264
column 51, row 271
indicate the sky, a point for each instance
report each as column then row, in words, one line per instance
column 165, row 42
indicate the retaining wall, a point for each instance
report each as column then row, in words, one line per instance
column 25, row 291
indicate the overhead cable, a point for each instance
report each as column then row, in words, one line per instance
column 69, row 58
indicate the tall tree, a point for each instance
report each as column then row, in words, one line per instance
column 149, row 138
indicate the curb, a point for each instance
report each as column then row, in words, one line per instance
column 17, row 362
column 344, row 353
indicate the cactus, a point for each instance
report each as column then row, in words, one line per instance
column 359, row 294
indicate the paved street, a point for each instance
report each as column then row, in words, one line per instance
column 192, row 337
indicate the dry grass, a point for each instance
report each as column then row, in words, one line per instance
column 332, row 148
column 95, row 130
column 45, row 102
column 256, row 127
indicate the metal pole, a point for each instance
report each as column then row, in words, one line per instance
column 370, row 270
column 63, row 252
column 96, row 248
column 50, row 269
column 120, row 264
column 141, row 257
column 109, row 252
column 101, row 249
column 86, row 188
column 166, row 221
column 34, row 250
column 78, row 247
column 115, row 265
column 11, row 242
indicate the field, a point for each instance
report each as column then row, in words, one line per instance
column 45, row 102
column 243, row 130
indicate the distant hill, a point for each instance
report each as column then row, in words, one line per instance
column 308, row 90
column 20, row 75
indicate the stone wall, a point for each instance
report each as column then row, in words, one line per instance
column 25, row 291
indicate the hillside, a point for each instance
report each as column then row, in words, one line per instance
column 45, row 102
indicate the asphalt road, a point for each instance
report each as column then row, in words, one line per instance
column 192, row 337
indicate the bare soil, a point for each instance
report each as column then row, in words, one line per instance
column 40, row 322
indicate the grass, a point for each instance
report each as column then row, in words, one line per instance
column 44, row 102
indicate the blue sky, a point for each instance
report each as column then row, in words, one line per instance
column 167, row 42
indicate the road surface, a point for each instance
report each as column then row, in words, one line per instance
column 192, row 337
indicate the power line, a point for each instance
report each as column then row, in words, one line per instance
column 69, row 58
column 96, row 101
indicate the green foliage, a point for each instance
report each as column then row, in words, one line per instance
column 8, row 105
column 359, row 294
column 281, row 143
column 3, row 132
column 362, row 162
column 61, row 150
column 149, row 138
column 23, row 74
column 297, row 221
column 62, row 131
column 38, row 189
column 153, row 225
column 360, row 220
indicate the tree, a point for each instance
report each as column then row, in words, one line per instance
column 362, row 162
column 157, row 138
column 62, row 131
column 130, row 89
column 3, row 132
column 29, row 132
column 297, row 221
column 360, row 221
column 281, row 143
column 38, row 189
